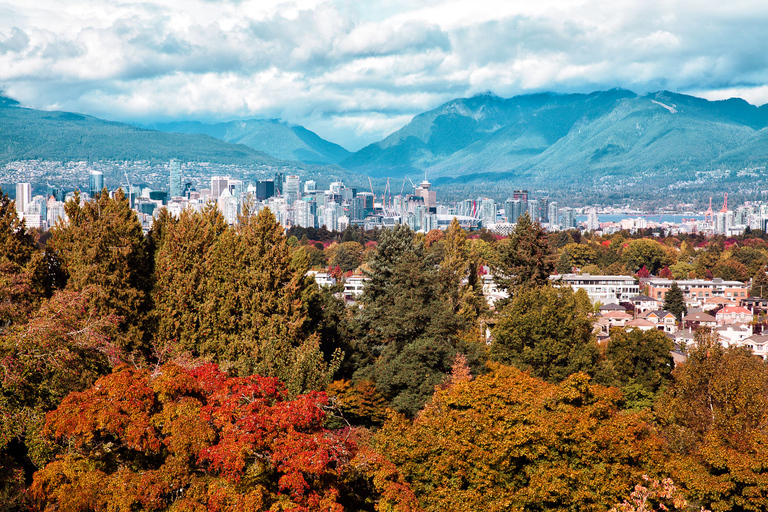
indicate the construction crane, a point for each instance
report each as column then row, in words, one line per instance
column 724, row 209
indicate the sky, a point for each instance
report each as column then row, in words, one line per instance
column 355, row 71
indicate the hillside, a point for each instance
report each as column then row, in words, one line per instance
column 550, row 137
column 27, row 134
column 271, row 136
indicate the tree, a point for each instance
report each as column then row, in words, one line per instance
column 674, row 301
column 348, row 256
column 759, row 287
column 196, row 440
column 411, row 330
column 645, row 253
column 239, row 296
column 548, row 331
column 63, row 348
column 23, row 267
column 102, row 244
column 527, row 260
column 714, row 416
column 508, row 441
column 639, row 362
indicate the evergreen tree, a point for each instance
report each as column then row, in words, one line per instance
column 759, row 287
column 103, row 245
column 526, row 260
column 22, row 267
column 674, row 301
column 411, row 329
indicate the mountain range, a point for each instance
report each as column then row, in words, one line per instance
column 553, row 137
column 271, row 136
column 614, row 136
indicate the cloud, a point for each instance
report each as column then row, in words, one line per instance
column 355, row 71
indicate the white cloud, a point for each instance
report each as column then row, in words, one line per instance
column 355, row 70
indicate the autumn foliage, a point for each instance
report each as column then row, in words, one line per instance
column 195, row 439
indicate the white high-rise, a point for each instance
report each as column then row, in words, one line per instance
column 23, row 198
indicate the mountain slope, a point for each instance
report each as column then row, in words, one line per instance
column 554, row 137
column 271, row 136
column 27, row 134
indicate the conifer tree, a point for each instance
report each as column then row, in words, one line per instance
column 674, row 301
column 527, row 260
column 103, row 245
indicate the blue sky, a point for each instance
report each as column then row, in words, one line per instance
column 354, row 71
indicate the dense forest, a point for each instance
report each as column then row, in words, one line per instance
column 200, row 367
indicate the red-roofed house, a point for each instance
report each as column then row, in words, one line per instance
column 733, row 315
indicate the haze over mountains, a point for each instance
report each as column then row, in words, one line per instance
column 271, row 136
column 531, row 139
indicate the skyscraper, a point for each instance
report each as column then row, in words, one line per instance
column 488, row 212
column 175, row 185
column 23, row 198
column 95, row 183
column 292, row 188
column 533, row 210
column 567, row 218
column 218, row 185
column 552, row 213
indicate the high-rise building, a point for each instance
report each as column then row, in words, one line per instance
column 567, row 218
column 175, row 179
column 544, row 210
column 522, row 195
column 430, row 196
column 593, row 223
column 331, row 216
column 95, row 182
column 310, row 186
column 488, row 212
column 533, row 210
column 292, row 188
column 265, row 189
column 552, row 213
column 302, row 213
column 23, row 198
column 218, row 185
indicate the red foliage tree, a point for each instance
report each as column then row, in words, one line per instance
column 198, row 440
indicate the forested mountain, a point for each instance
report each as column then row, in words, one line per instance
column 553, row 137
column 271, row 136
column 28, row 134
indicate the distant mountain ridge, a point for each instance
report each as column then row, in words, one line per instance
column 28, row 134
column 564, row 136
column 271, row 136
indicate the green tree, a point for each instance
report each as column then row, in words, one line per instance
column 347, row 256
column 674, row 301
column 102, row 244
column 527, row 260
column 242, row 300
column 548, row 331
column 645, row 253
column 22, row 267
column 640, row 363
column 759, row 287
column 411, row 331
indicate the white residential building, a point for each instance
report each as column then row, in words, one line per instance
column 604, row 289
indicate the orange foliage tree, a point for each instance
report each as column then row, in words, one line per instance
column 507, row 441
column 199, row 440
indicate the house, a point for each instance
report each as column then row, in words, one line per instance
column 693, row 321
column 616, row 318
column 611, row 307
column 755, row 304
column 640, row 323
column 733, row 315
column 733, row 335
column 711, row 303
column 664, row 320
column 491, row 291
column 643, row 303
column 322, row 278
column 758, row 344
column 353, row 287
